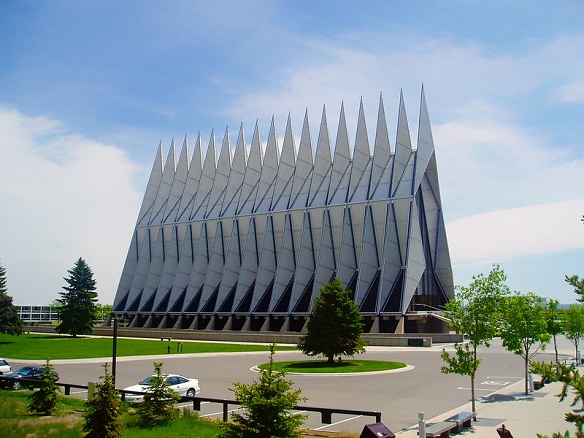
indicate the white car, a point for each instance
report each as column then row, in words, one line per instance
column 4, row 366
column 182, row 385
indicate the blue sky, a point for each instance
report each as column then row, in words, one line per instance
column 89, row 89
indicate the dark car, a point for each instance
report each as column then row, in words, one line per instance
column 24, row 377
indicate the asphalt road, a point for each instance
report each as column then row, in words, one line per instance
column 399, row 396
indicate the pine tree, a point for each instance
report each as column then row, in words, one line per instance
column 10, row 323
column 268, row 402
column 77, row 307
column 335, row 325
column 46, row 400
column 159, row 405
column 102, row 418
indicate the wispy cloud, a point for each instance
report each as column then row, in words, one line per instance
column 63, row 197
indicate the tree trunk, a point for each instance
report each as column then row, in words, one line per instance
column 526, row 375
column 331, row 359
column 556, row 347
column 472, row 391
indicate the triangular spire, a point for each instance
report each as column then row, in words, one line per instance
column 381, row 152
column 403, row 146
column 192, row 184
column 252, row 174
column 341, row 160
column 286, row 167
column 236, row 176
column 178, row 184
column 302, row 174
column 151, row 188
column 220, row 179
column 269, row 171
column 206, row 182
column 361, row 154
column 322, row 165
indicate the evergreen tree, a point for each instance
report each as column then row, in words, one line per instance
column 473, row 312
column 46, row 400
column 77, row 307
column 10, row 323
column 335, row 325
column 268, row 402
column 159, row 405
column 102, row 418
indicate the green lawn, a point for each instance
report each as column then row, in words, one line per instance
column 39, row 347
column 347, row 366
column 16, row 421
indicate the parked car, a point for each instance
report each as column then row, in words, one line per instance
column 24, row 377
column 182, row 385
column 4, row 366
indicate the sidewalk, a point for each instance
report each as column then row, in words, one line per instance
column 524, row 416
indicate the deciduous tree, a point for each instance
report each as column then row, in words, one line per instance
column 474, row 313
column 524, row 327
column 554, row 322
column 573, row 321
column 335, row 325
column 77, row 307
column 10, row 323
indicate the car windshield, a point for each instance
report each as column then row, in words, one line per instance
column 147, row 381
column 24, row 371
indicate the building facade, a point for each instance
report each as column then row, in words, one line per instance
column 244, row 240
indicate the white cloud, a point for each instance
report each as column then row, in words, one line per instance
column 63, row 197
column 508, row 234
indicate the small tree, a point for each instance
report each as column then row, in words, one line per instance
column 524, row 327
column 102, row 418
column 10, row 323
column 554, row 322
column 268, row 402
column 335, row 325
column 474, row 313
column 46, row 400
column 77, row 306
column 573, row 320
column 159, row 405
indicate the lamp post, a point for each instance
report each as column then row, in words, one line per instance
column 114, row 350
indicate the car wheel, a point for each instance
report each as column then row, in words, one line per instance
column 191, row 393
column 16, row 385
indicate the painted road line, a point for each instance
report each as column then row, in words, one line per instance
column 338, row 422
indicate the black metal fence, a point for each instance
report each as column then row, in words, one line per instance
column 325, row 413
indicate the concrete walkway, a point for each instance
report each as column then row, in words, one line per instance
column 524, row 416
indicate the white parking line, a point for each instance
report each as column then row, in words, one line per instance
column 221, row 412
column 477, row 389
column 338, row 422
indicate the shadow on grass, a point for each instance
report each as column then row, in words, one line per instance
column 319, row 365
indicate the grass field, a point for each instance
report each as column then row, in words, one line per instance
column 16, row 421
column 39, row 347
column 347, row 366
